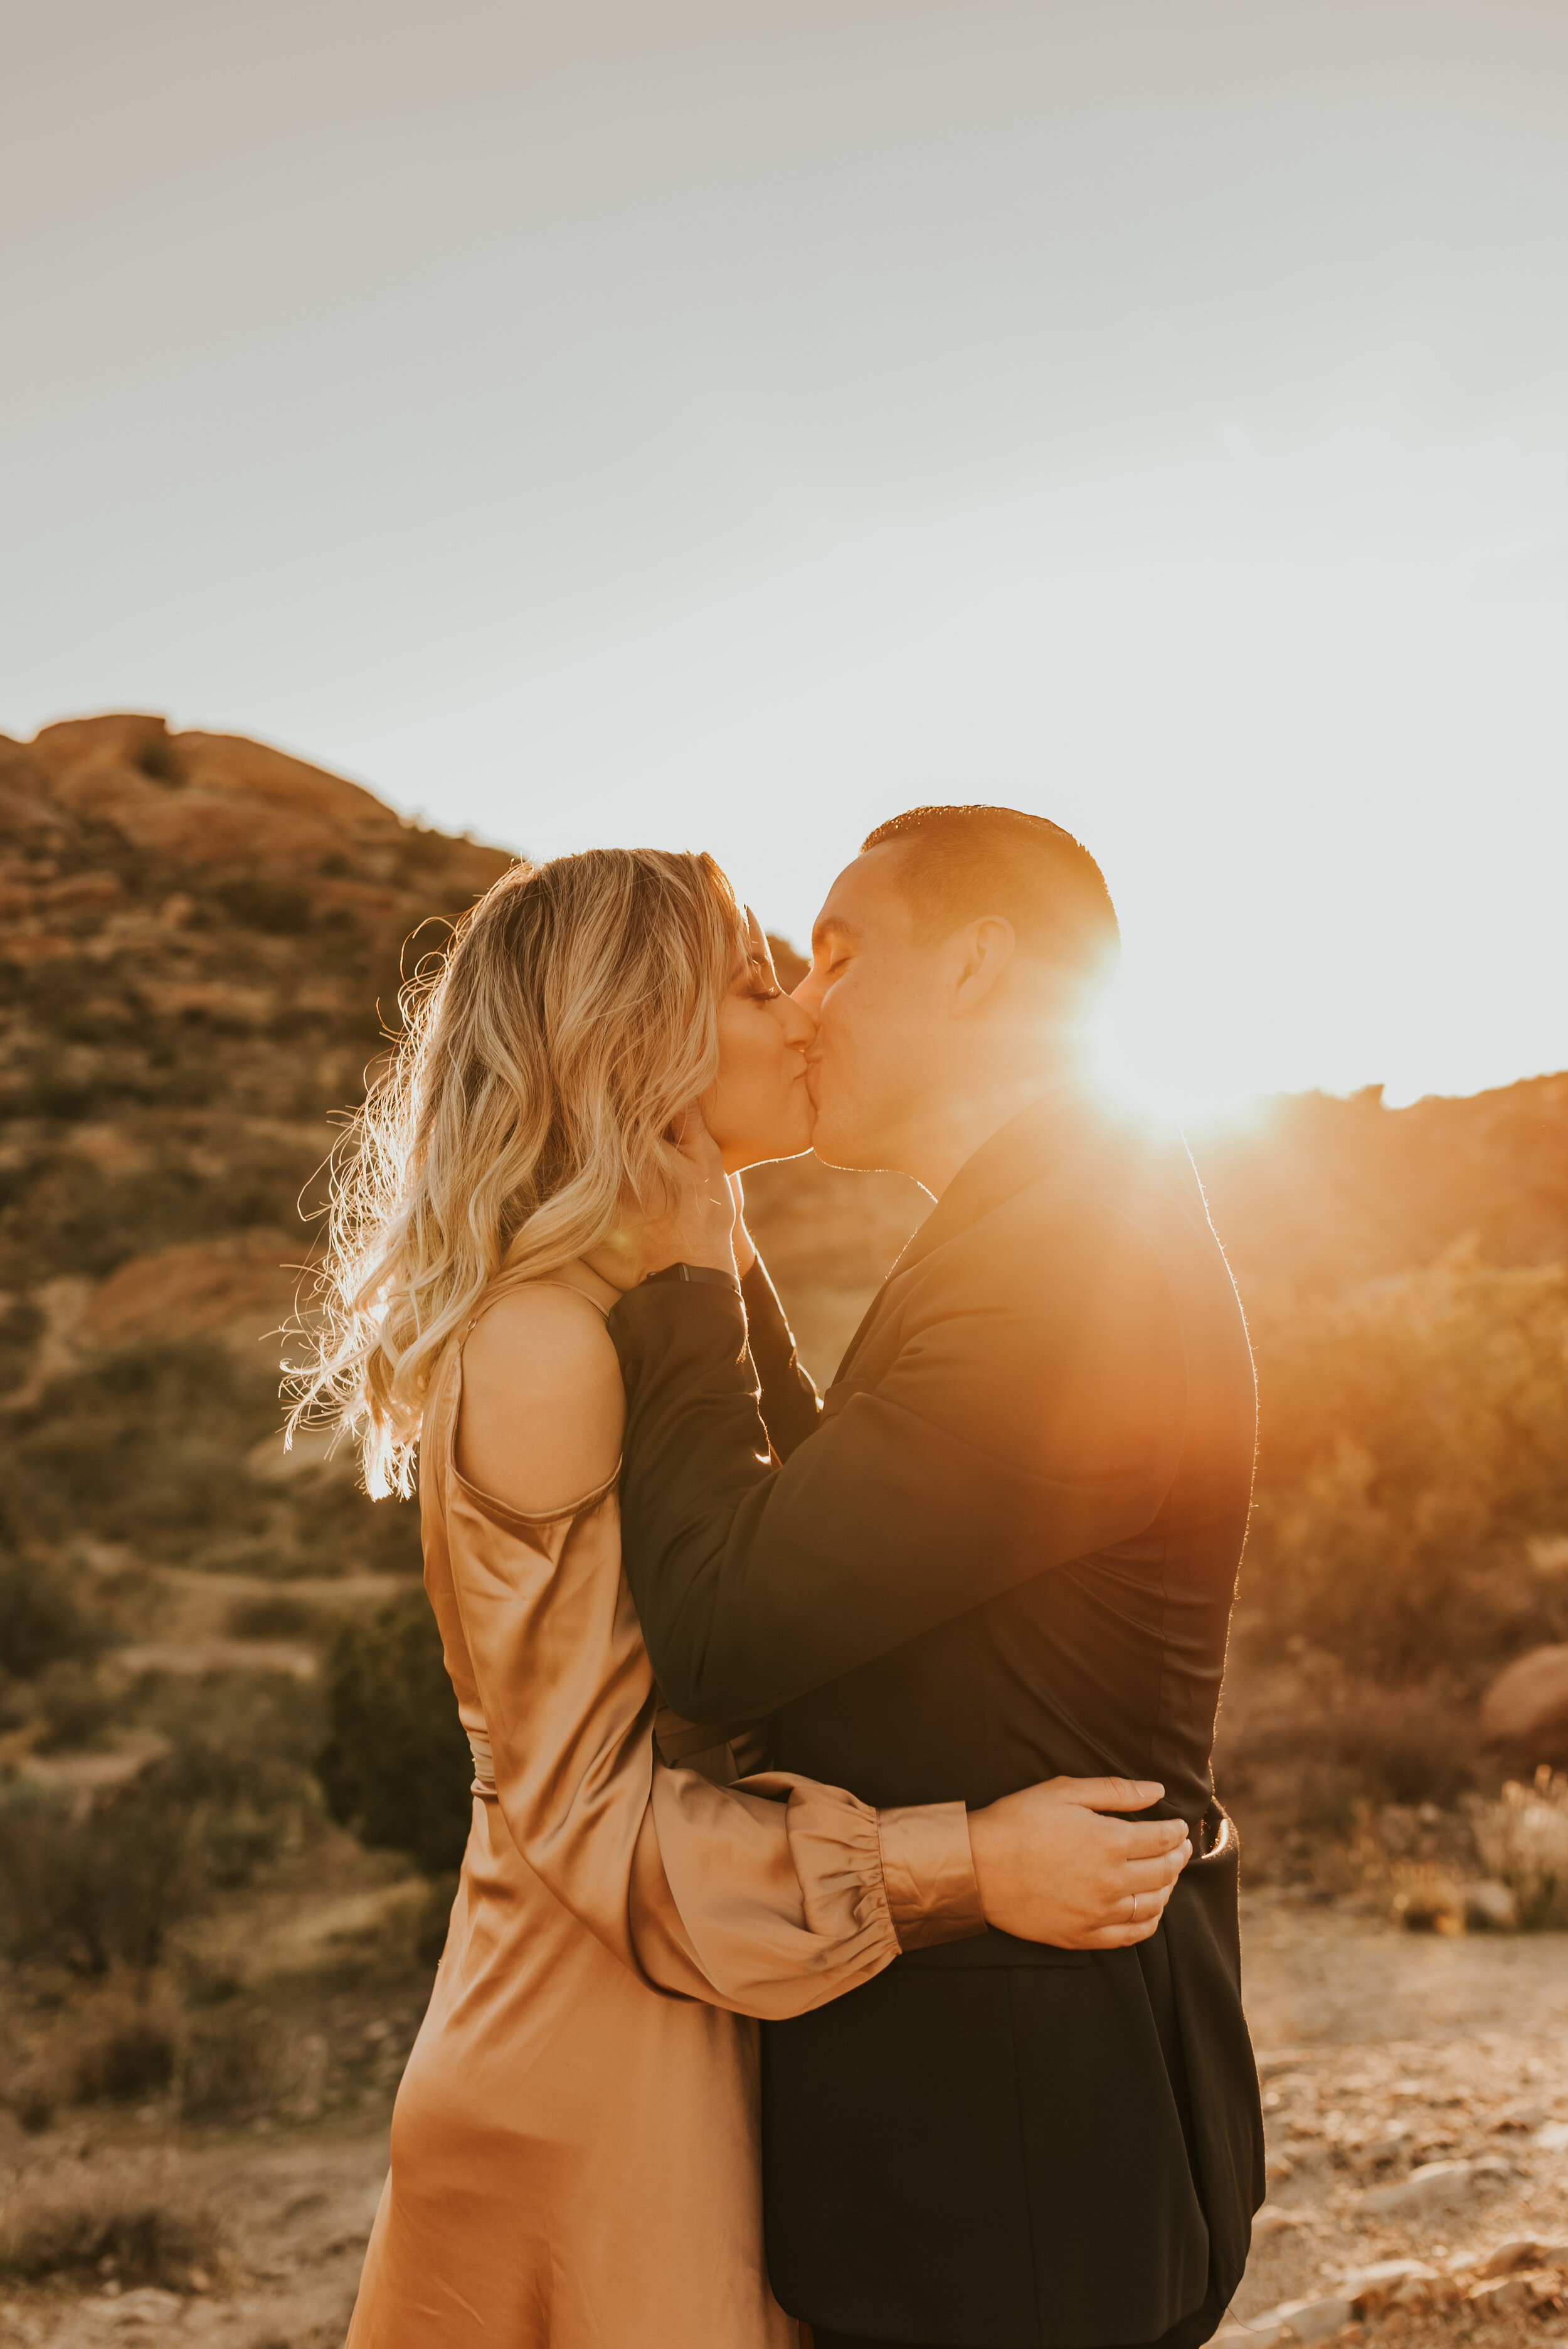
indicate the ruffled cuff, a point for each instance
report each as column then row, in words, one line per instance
column 928, row 1869
column 837, row 1853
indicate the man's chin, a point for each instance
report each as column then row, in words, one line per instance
column 796, row 1144
column 831, row 1144
column 830, row 1149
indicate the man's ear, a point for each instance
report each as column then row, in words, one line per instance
column 984, row 950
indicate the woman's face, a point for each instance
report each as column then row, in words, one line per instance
column 757, row 1106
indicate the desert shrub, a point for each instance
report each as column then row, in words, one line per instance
column 100, row 1890
column 338, row 1529
column 80, row 1221
column 145, row 1441
column 395, row 1767
column 280, row 908
column 1403, row 1743
column 70, row 1707
column 233, row 1733
column 240, row 1767
column 148, row 1447
column 1413, row 1742
column 117, row 2037
column 276, row 1616
column 1414, row 1437
column 40, row 1620
column 434, row 1919
column 143, row 2241
column 229, row 2065
column 135, row 2057
column 1523, row 1839
column 1306, row 1752
column 20, row 1325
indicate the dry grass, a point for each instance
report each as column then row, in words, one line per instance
column 1524, row 1840
column 102, row 2229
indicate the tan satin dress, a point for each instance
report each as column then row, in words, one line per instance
column 575, row 2145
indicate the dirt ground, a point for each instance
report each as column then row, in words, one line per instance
column 1381, row 2051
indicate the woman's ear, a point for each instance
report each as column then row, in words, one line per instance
column 985, row 949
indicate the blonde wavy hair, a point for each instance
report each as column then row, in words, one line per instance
column 525, row 1112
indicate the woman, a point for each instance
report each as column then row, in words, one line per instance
column 575, row 2146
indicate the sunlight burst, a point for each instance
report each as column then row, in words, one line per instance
column 1153, row 1056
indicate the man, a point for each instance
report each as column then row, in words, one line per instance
column 1008, row 1550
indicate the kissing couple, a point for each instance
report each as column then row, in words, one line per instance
column 846, row 1947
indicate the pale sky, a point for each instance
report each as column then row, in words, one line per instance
column 725, row 424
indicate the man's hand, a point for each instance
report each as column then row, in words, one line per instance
column 1050, row 1868
column 695, row 1224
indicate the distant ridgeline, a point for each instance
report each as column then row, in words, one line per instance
column 1333, row 1191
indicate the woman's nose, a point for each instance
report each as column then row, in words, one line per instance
column 798, row 1021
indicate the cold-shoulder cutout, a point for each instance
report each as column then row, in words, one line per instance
column 543, row 1406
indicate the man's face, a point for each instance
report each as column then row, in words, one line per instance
column 878, row 999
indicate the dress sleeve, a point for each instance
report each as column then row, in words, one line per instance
column 767, row 1896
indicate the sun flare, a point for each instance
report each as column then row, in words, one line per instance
column 1150, row 1057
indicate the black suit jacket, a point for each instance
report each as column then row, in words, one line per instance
column 1008, row 1549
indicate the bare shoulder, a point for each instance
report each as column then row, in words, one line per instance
column 543, row 1406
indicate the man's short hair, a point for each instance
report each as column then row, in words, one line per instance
column 958, row 863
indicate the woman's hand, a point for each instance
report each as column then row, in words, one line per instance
column 1051, row 1867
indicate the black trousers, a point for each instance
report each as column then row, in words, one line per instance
column 1188, row 2334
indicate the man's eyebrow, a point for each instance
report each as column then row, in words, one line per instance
column 834, row 925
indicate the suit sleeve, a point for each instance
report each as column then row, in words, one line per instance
column 1034, row 1412
column 790, row 1405
column 767, row 1897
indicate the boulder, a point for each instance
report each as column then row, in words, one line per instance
column 1369, row 2290
column 1302, row 2319
column 1491, row 1906
column 1271, row 2220
column 1525, row 1710
column 221, row 801
column 1434, row 2185
column 1512, row 2296
column 206, row 799
column 1523, row 2253
column 239, row 1288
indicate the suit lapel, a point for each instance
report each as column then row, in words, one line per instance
column 1013, row 1155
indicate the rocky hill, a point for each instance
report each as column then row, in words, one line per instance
column 200, row 941
column 1330, row 1193
column 197, row 934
